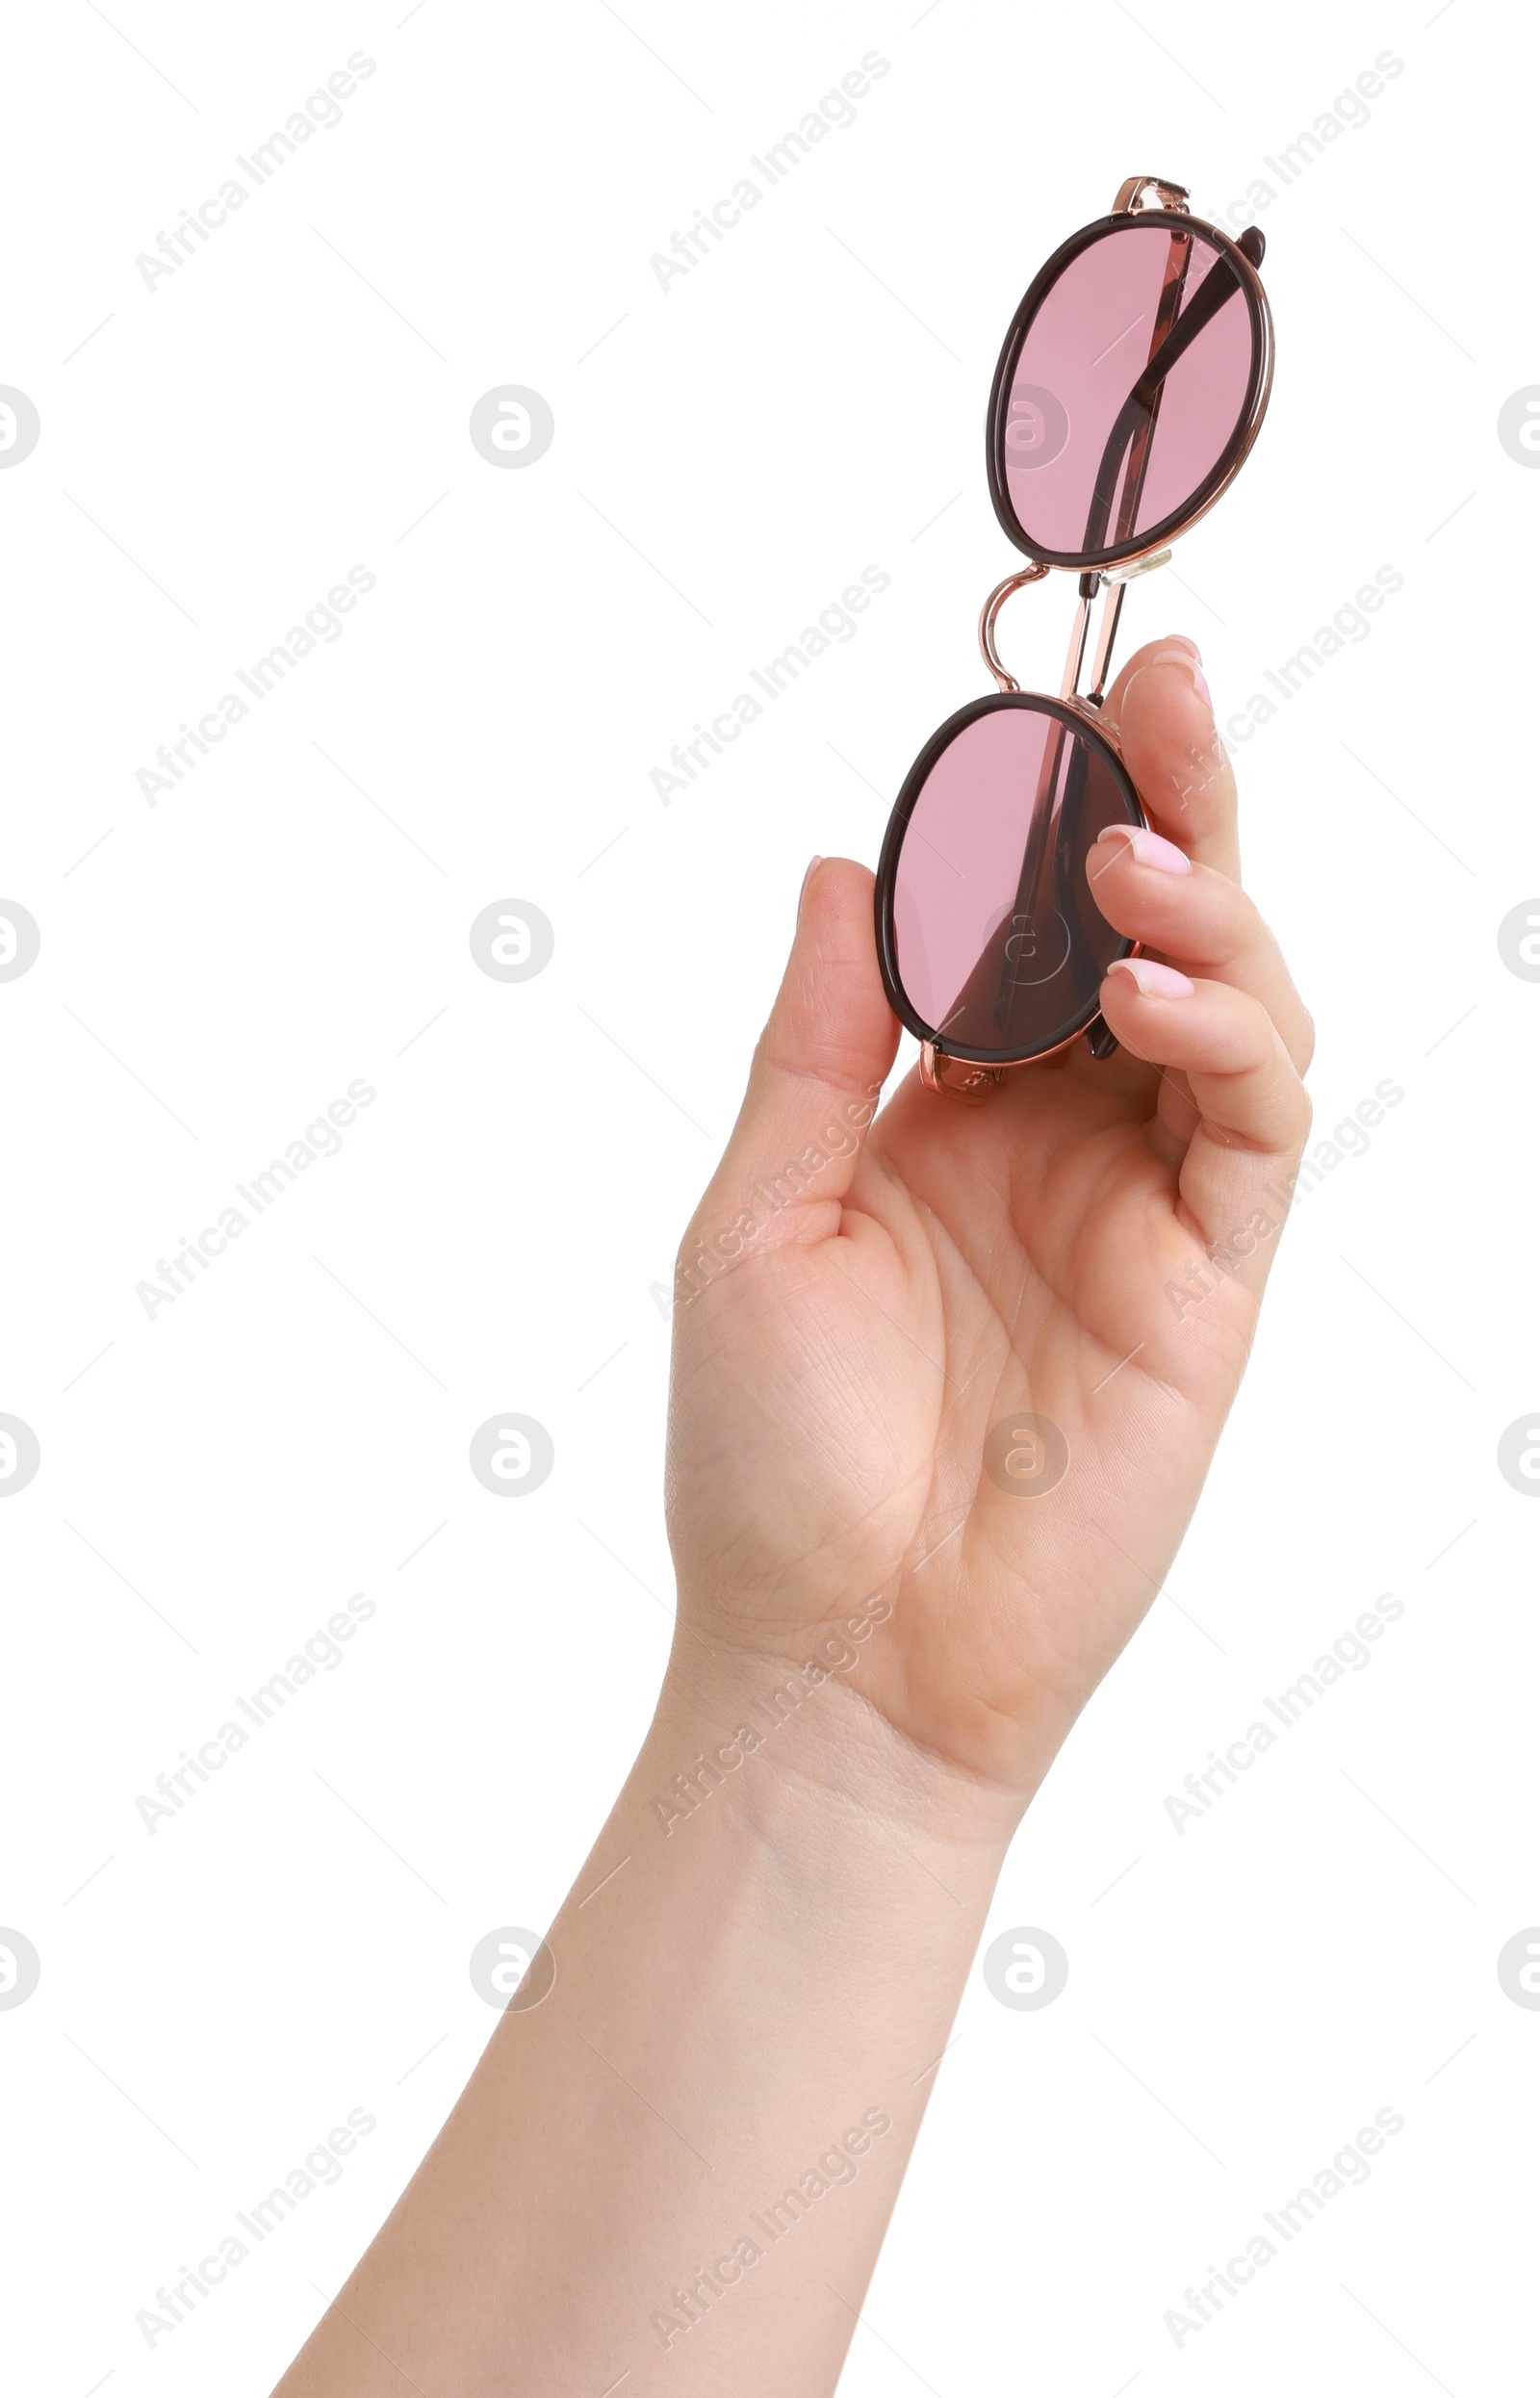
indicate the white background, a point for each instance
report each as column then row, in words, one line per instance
column 729, row 453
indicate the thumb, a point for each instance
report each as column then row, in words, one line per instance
column 813, row 1086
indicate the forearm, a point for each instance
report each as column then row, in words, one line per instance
column 678, row 2166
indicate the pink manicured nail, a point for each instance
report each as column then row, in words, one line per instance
column 1147, row 848
column 1151, row 979
column 814, row 864
column 1201, row 687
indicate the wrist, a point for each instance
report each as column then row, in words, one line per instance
column 797, row 1746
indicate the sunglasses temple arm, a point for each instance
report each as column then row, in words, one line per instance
column 1140, row 409
column 1081, row 627
column 1144, row 430
column 1106, row 636
column 1137, row 439
column 1143, row 405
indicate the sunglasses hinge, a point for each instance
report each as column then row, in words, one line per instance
column 1117, row 580
column 1171, row 197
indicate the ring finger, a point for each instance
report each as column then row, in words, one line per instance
column 1150, row 890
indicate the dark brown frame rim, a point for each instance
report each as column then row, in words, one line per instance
column 1232, row 457
column 940, row 740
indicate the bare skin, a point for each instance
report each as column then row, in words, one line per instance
column 675, row 2170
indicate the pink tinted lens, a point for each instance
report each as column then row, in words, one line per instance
column 999, row 943
column 1131, row 386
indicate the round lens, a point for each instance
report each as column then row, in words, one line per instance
column 991, row 932
column 1127, row 388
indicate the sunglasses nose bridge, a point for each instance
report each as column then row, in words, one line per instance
column 989, row 615
column 1113, row 579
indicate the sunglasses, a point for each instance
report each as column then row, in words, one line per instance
column 1132, row 384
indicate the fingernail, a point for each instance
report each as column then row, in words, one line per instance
column 1151, row 979
column 1147, row 848
column 1192, row 658
column 814, row 864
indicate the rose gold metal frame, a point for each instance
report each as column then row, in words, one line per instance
column 970, row 1080
column 973, row 1082
column 1174, row 197
column 1130, row 200
column 986, row 622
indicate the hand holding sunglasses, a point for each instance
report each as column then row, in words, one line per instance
column 1132, row 384
column 974, row 1358
column 945, row 1387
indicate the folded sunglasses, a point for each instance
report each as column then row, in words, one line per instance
column 1131, row 387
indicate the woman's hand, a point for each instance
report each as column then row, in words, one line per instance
column 675, row 2162
column 866, row 1318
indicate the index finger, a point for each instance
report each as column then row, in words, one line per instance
column 1172, row 747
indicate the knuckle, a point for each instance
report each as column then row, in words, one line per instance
column 1306, row 1040
column 1240, row 936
